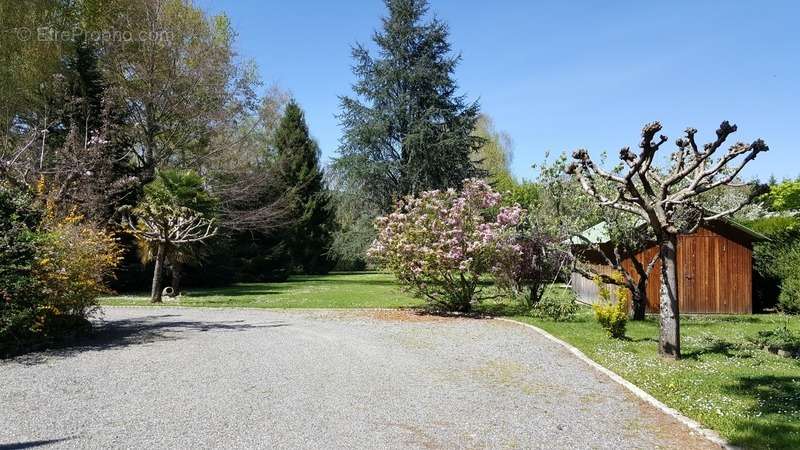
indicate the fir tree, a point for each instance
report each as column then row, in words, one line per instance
column 407, row 129
column 308, row 239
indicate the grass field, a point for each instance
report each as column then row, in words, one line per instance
column 751, row 397
column 345, row 290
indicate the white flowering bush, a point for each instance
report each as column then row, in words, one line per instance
column 440, row 243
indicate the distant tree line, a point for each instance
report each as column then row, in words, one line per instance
column 135, row 130
column 105, row 122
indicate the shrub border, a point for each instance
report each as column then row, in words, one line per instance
column 635, row 390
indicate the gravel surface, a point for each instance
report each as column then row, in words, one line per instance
column 233, row 378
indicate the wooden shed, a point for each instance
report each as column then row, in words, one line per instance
column 715, row 267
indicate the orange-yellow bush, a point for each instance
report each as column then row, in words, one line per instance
column 52, row 268
column 74, row 262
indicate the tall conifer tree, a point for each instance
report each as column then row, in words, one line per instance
column 309, row 238
column 406, row 129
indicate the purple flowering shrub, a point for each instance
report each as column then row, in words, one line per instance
column 537, row 261
column 440, row 243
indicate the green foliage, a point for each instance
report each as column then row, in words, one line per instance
column 559, row 305
column 17, row 245
column 353, row 234
column 561, row 206
column 611, row 311
column 251, row 257
column 494, row 155
column 789, row 298
column 19, row 288
column 174, row 217
column 51, row 272
column 774, row 225
column 776, row 263
column 526, row 193
column 308, row 238
column 406, row 130
column 784, row 196
column 782, row 338
column 179, row 189
column 106, row 115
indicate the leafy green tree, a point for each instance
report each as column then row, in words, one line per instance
column 91, row 168
column 784, row 196
column 175, row 213
column 19, row 290
column 775, row 260
column 95, row 119
column 309, row 236
column 406, row 130
column 181, row 84
column 354, row 231
column 494, row 155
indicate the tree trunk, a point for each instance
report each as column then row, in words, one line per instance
column 669, row 341
column 531, row 296
column 158, row 272
column 639, row 297
column 177, row 273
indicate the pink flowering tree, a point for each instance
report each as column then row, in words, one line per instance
column 440, row 243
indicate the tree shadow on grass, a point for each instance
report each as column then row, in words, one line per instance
column 502, row 309
column 706, row 320
column 256, row 289
column 776, row 407
column 299, row 279
column 32, row 444
column 239, row 290
column 715, row 347
column 642, row 339
column 121, row 333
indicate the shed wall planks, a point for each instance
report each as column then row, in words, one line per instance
column 714, row 274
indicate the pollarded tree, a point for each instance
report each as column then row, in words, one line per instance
column 563, row 211
column 668, row 199
column 173, row 214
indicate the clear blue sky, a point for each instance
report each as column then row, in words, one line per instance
column 561, row 75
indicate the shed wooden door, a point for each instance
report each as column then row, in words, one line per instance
column 714, row 274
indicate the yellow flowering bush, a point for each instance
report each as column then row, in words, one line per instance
column 52, row 269
column 74, row 262
column 611, row 311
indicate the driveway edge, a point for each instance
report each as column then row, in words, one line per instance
column 635, row 390
column 695, row 426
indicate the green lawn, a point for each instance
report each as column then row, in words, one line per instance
column 749, row 396
column 345, row 290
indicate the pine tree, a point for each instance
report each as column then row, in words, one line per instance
column 309, row 238
column 406, row 130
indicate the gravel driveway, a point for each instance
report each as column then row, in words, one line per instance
column 228, row 378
